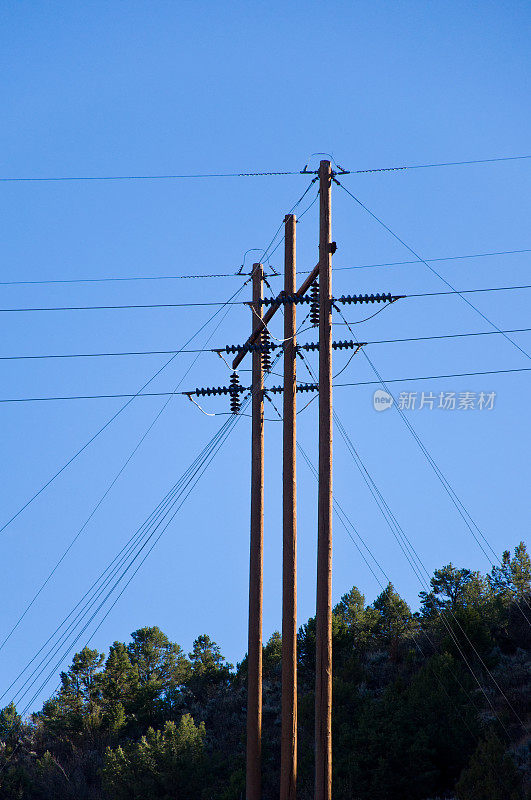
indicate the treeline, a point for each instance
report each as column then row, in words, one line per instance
column 432, row 704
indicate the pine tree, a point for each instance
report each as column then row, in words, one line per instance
column 512, row 579
column 394, row 618
column 77, row 705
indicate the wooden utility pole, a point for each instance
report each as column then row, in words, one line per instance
column 288, row 755
column 254, row 695
column 323, row 677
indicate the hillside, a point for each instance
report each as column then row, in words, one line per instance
column 427, row 704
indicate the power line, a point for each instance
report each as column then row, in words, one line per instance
column 470, row 291
column 346, row 522
column 336, row 385
column 415, row 568
column 186, row 352
column 108, row 279
column 138, row 542
column 134, row 545
column 133, row 548
column 173, row 510
column 266, row 252
column 63, row 178
column 109, row 422
column 434, row 271
column 124, row 307
column 106, row 355
column 436, row 377
column 395, row 528
column 460, row 507
column 118, row 560
column 440, row 258
column 341, row 513
column 126, row 278
column 109, row 487
column 442, row 164
column 117, row 413
column 49, row 179
column 444, row 336
column 417, row 564
column 244, row 302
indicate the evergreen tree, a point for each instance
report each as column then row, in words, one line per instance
column 406, row 712
column 77, row 705
column 394, row 618
column 512, row 579
column 11, row 728
column 209, row 670
column 119, row 686
column 157, row 660
column 165, row 764
column 462, row 609
column 161, row 670
column 359, row 619
column 453, row 589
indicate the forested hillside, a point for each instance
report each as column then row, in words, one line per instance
column 429, row 704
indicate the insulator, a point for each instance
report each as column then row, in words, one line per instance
column 367, row 298
column 234, row 391
column 314, row 303
column 266, row 351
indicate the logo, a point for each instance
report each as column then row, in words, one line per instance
column 382, row 400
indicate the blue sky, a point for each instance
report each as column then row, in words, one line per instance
column 138, row 88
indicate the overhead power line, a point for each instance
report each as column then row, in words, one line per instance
column 121, row 308
column 110, row 421
column 124, row 465
column 239, row 302
column 431, row 260
column 442, row 164
column 432, row 269
column 336, row 385
column 437, row 377
column 145, row 177
column 443, row 336
column 129, row 278
column 186, row 352
column 118, row 279
column 470, row 291
column 117, row 570
column 408, row 549
column 164, row 177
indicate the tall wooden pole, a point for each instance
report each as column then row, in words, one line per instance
column 288, row 754
column 323, row 677
column 254, row 694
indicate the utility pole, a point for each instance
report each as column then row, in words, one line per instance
column 254, row 696
column 260, row 348
column 288, row 755
column 323, row 677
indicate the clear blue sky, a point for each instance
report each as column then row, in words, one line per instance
column 110, row 88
